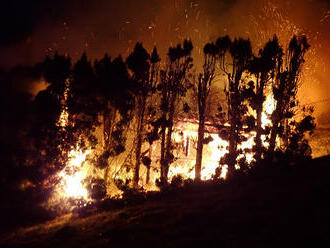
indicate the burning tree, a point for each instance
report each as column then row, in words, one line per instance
column 145, row 74
column 240, row 52
column 173, row 85
column 117, row 101
column 50, row 142
column 54, row 134
column 285, row 89
column 82, row 103
column 106, row 96
column 203, row 89
column 90, row 95
column 263, row 68
column 83, row 108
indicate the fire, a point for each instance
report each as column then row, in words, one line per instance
column 248, row 144
column 268, row 106
column 71, row 189
column 187, row 133
column 212, row 152
column 73, row 185
column 72, row 179
column 72, row 176
column 63, row 119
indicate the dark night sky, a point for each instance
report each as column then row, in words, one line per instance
column 31, row 29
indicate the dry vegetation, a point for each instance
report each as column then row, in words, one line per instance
column 275, row 209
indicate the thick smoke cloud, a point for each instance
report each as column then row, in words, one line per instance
column 32, row 29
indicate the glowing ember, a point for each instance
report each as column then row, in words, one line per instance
column 63, row 120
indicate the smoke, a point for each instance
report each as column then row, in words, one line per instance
column 71, row 27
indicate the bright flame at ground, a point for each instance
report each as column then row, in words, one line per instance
column 71, row 189
column 212, row 152
column 72, row 185
column 215, row 149
column 71, row 176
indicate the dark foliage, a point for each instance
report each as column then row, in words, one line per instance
column 202, row 90
column 113, row 94
column 97, row 189
column 172, row 86
column 145, row 70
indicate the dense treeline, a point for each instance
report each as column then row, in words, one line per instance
column 142, row 96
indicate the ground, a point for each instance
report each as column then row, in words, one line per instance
column 285, row 208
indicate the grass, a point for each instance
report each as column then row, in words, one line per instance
column 277, row 209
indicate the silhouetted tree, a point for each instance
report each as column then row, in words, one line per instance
column 240, row 53
column 263, row 67
column 117, row 103
column 203, row 89
column 50, row 142
column 83, row 104
column 298, row 148
column 144, row 68
column 23, row 182
column 15, row 125
column 285, row 90
column 173, row 85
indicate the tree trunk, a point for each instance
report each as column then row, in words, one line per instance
column 137, row 160
column 168, row 152
column 258, row 142
column 232, row 150
column 141, row 110
column 259, row 129
column 168, row 143
column 148, row 167
column 232, row 134
column 274, row 130
column 109, row 117
column 162, row 151
column 106, row 129
column 272, row 141
column 200, row 145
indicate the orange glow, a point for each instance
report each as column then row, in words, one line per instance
column 63, row 120
column 268, row 106
column 72, row 176
column 212, row 153
column 187, row 134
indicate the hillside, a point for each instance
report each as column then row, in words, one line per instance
column 282, row 208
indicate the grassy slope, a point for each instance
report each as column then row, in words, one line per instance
column 289, row 209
